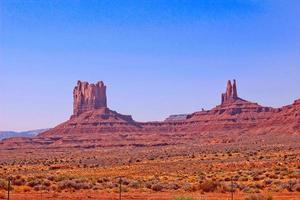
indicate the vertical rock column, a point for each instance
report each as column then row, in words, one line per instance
column 88, row 97
column 231, row 94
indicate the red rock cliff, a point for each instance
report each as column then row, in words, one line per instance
column 88, row 97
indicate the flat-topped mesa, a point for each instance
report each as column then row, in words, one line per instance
column 88, row 97
column 231, row 94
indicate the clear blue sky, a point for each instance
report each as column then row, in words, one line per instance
column 157, row 57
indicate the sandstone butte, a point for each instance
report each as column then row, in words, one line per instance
column 94, row 124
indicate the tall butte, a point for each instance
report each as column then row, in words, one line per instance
column 89, row 97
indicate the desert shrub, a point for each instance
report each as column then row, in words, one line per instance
column 183, row 197
column 201, row 176
column 235, row 178
column 3, row 184
column 241, row 186
column 243, row 179
column 62, row 178
column 39, row 187
column 289, row 185
column 249, row 189
column 209, row 186
column 54, row 187
column 157, row 187
column 295, row 174
column 51, row 178
column 273, row 176
column 224, row 188
column 173, row 186
column 19, row 181
column 34, row 182
column 104, row 180
column 46, row 183
column 125, row 181
column 74, row 184
column 56, row 167
column 227, row 179
column 284, row 173
column 258, row 177
column 227, row 187
column 25, row 188
column 296, row 187
column 134, row 184
column 259, row 197
column 268, row 182
column 189, row 187
column 259, row 186
column 148, row 184
column 110, row 185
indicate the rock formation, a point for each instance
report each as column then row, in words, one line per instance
column 88, row 97
column 231, row 94
column 233, row 112
column 93, row 123
column 91, row 114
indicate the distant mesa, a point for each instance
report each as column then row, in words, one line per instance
column 180, row 117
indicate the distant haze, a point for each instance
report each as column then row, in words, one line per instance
column 31, row 133
column 157, row 58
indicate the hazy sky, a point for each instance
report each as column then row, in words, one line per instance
column 157, row 57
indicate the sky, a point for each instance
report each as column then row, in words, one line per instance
column 156, row 57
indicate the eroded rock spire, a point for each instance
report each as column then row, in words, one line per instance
column 231, row 93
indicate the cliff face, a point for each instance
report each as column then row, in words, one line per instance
column 88, row 97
